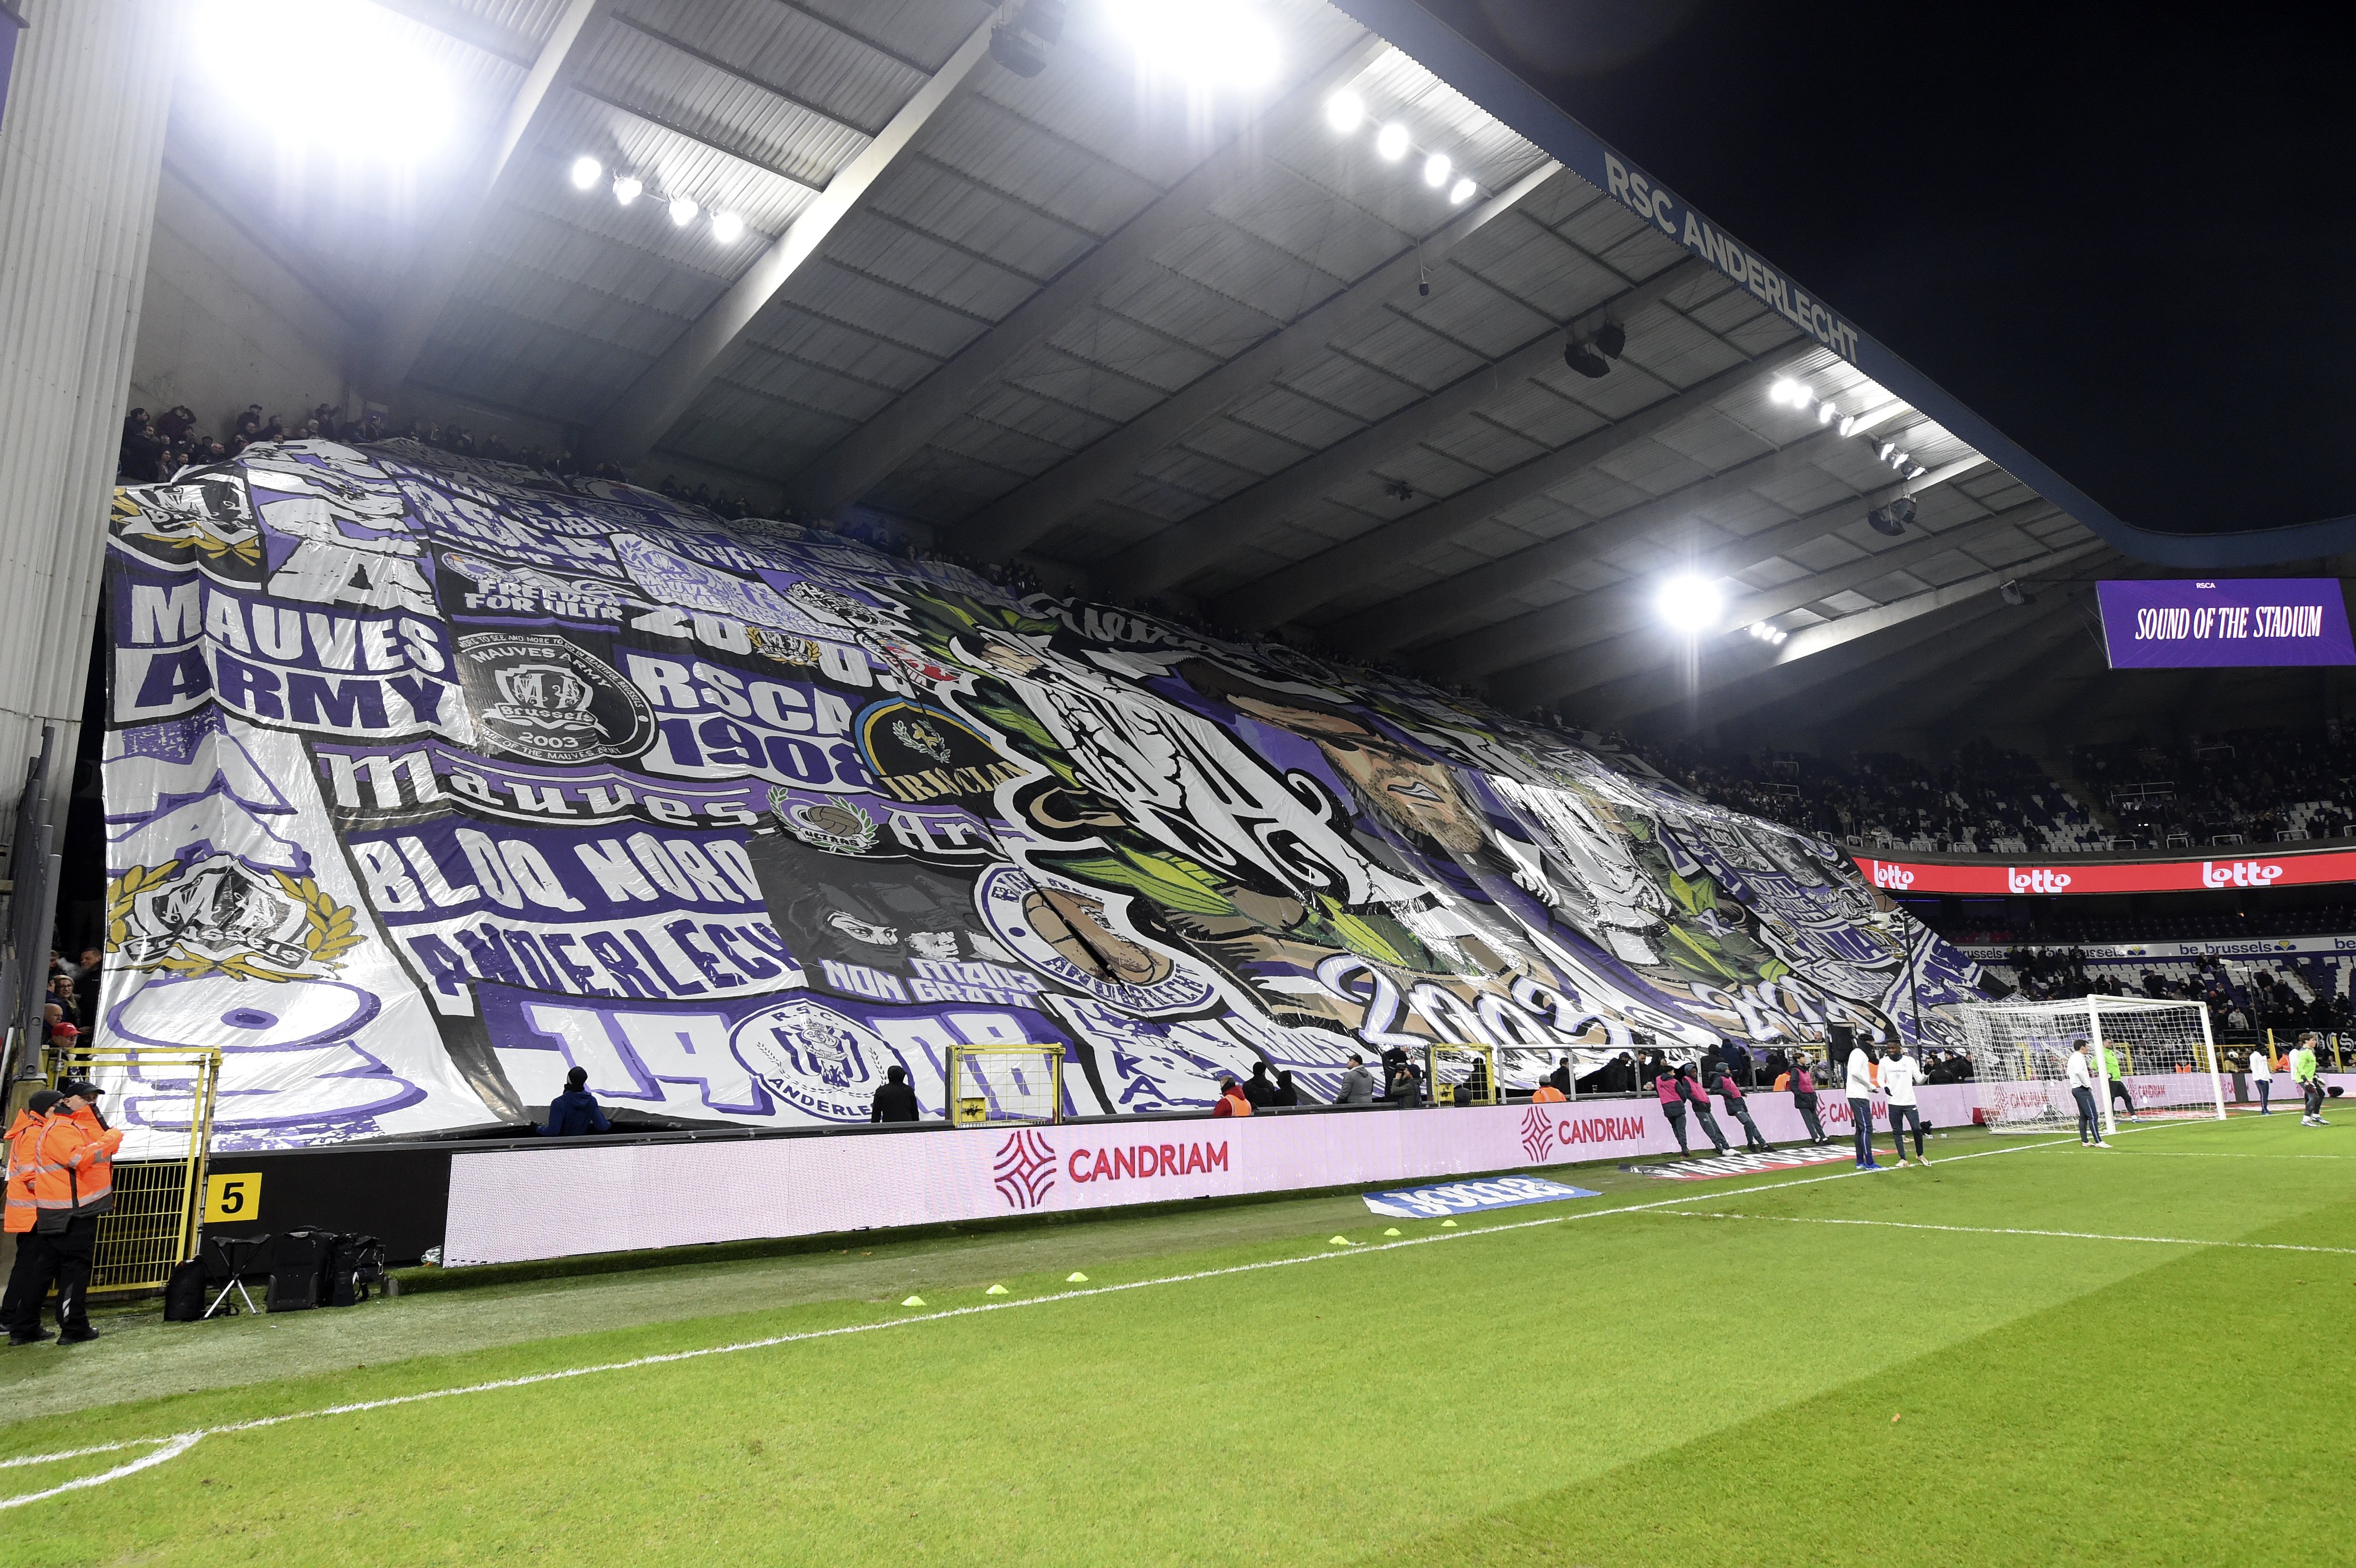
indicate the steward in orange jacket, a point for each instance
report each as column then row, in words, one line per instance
column 60, row 1179
column 1547, row 1095
column 1231, row 1100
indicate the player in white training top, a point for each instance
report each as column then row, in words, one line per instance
column 1899, row 1074
column 2081, row 1089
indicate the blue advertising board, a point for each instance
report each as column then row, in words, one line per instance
column 2248, row 621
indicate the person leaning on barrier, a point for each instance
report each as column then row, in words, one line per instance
column 1357, row 1084
column 895, row 1098
column 575, row 1112
column 60, row 1179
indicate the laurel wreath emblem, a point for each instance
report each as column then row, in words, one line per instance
column 330, row 929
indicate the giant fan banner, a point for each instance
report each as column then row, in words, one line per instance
column 428, row 778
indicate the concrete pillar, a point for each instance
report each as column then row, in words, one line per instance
column 79, row 149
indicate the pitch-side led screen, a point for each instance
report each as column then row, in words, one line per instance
column 2227, row 621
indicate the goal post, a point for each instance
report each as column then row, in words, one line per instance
column 1005, row 1084
column 2158, row 1056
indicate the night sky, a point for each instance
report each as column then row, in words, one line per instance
column 2125, row 236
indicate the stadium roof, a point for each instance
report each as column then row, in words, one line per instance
column 1197, row 345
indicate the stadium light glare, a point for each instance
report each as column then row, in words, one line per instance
column 1887, row 448
column 1391, row 141
column 1689, row 603
column 727, row 227
column 585, row 172
column 628, row 188
column 1211, row 43
column 1787, row 390
column 1462, row 193
column 1345, row 111
column 682, row 212
column 1827, row 413
column 1436, row 170
column 1918, row 472
column 1849, row 424
column 345, row 64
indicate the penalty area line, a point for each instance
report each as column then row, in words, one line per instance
column 172, row 1445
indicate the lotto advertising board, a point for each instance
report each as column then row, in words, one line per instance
column 2263, row 621
column 429, row 778
column 514, row 1205
column 2234, row 868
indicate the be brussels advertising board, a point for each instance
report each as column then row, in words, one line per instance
column 428, row 778
column 2224, row 868
column 2255, row 621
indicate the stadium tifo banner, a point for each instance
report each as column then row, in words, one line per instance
column 428, row 778
column 2231, row 869
column 563, row 1200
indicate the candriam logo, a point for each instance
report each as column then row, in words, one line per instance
column 2036, row 880
column 1886, row 875
column 2238, row 873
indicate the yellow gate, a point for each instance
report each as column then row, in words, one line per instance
column 158, row 1201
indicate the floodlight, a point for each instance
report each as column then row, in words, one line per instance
column 1849, row 424
column 344, row 63
column 1391, row 141
column 628, row 188
column 1688, row 604
column 1787, row 390
column 1887, row 448
column 727, row 227
column 682, row 212
column 1761, row 630
column 1462, row 193
column 1345, row 111
column 2014, row 594
column 1210, row 42
column 1435, row 170
column 585, row 171
column 1918, row 472
column 1778, row 638
column 1901, row 460
column 1827, row 413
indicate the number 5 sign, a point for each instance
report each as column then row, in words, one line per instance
column 233, row 1200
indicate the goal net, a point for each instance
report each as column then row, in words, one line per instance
column 2147, row 1059
column 1005, row 1084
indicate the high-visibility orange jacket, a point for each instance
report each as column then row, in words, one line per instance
column 1547, row 1095
column 62, row 1168
column 1232, row 1104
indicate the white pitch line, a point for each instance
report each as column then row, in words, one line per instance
column 2010, row 1230
column 172, row 1446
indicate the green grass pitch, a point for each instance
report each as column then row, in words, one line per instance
column 1939, row 1379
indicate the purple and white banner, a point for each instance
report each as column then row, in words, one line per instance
column 429, row 779
column 2227, row 621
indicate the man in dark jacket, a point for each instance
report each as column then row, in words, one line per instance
column 575, row 1112
column 1257, row 1089
column 896, row 1100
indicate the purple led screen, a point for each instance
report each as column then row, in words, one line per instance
column 2227, row 621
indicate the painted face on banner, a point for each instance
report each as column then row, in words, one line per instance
column 1413, row 792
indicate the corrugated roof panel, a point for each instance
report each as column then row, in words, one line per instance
column 624, row 63
column 641, row 228
column 1060, row 379
column 1176, row 304
column 1145, row 144
column 797, row 53
column 916, row 261
column 813, row 338
column 1351, row 387
column 809, row 384
column 1008, row 452
column 1241, row 266
column 1153, row 358
column 1001, row 154
column 941, row 201
column 1535, row 410
column 1484, row 444
column 528, row 20
column 1397, row 345
column 553, row 302
column 1539, row 269
column 1056, row 424
column 1310, row 224
column 1485, row 320
column 540, row 244
column 924, row 31
column 1244, row 449
column 1284, row 412
column 845, row 297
